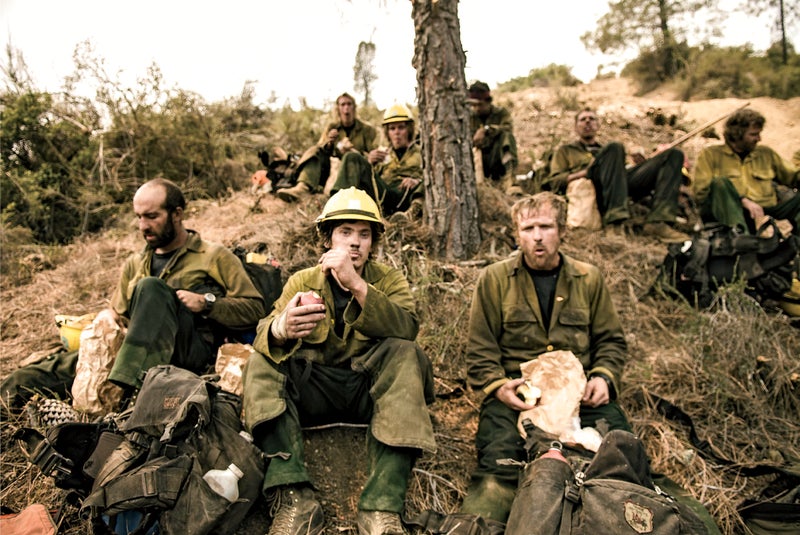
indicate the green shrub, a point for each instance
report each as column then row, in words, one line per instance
column 550, row 76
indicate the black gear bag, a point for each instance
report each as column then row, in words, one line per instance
column 717, row 255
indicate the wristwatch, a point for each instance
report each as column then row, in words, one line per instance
column 210, row 300
column 486, row 128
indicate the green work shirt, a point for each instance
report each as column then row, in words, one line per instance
column 505, row 325
column 568, row 159
column 752, row 177
column 197, row 263
column 498, row 120
column 395, row 170
column 389, row 311
column 363, row 137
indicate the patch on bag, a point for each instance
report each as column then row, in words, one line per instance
column 639, row 517
column 172, row 402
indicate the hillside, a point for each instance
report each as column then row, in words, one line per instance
column 734, row 369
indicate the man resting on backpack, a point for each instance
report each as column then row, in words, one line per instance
column 177, row 297
column 538, row 301
column 349, row 357
column 179, row 293
column 735, row 182
column 604, row 164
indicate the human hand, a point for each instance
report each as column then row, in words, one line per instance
column 637, row 158
column 409, row 183
column 345, row 145
column 298, row 319
column 377, row 155
column 339, row 262
column 596, row 393
column 508, row 395
column 191, row 300
column 478, row 137
column 333, row 133
column 755, row 210
column 577, row 175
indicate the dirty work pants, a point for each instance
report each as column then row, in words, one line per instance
column 314, row 172
column 356, row 171
column 493, row 486
column 317, row 394
column 724, row 205
column 500, row 157
column 52, row 376
column 613, row 183
column 161, row 330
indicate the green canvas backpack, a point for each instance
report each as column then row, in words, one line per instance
column 151, row 460
column 611, row 493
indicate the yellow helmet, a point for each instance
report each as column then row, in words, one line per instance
column 397, row 113
column 351, row 204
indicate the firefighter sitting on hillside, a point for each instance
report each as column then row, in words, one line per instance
column 394, row 177
column 349, row 356
column 347, row 134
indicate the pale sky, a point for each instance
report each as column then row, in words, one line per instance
column 301, row 48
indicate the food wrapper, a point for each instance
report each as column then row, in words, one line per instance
column 231, row 359
column 559, row 379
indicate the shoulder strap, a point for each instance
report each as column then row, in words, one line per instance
column 154, row 485
column 676, row 414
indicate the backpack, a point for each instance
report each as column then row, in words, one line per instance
column 265, row 275
column 717, row 255
column 281, row 171
column 151, row 459
column 611, row 493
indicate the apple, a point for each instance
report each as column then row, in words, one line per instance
column 310, row 298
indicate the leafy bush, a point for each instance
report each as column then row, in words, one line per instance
column 68, row 172
column 551, row 75
column 721, row 72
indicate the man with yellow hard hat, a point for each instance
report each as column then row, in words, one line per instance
column 339, row 347
column 392, row 176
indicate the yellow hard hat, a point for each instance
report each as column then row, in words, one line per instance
column 351, row 204
column 790, row 302
column 397, row 113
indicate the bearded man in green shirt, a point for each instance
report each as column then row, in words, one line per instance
column 346, row 134
column 493, row 134
column 179, row 294
column 179, row 297
column 735, row 183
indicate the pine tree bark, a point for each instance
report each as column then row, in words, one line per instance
column 451, row 201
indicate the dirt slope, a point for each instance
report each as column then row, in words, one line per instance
column 539, row 117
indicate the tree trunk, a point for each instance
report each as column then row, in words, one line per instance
column 451, row 201
column 784, row 48
column 668, row 61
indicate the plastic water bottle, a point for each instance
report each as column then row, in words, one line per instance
column 225, row 482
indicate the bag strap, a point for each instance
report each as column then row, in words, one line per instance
column 41, row 452
column 676, row 414
column 429, row 521
column 160, row 482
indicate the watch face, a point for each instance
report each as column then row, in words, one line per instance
column 210, row 299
